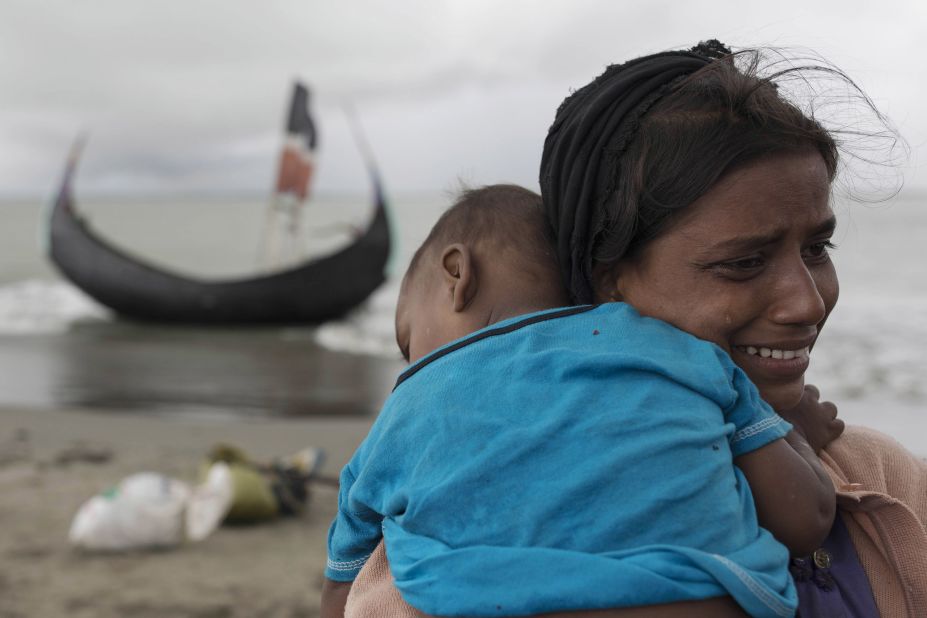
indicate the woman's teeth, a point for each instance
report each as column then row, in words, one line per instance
column 777, row 354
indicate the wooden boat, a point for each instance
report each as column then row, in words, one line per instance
column 310, row 292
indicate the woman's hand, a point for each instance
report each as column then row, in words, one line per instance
column 816, row 421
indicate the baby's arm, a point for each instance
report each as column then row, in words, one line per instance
column 718, row 607
column 334, row 598
column 354, row 533
column 794, row 496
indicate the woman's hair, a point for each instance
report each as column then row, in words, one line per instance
column 684, row 136
column 716, row 120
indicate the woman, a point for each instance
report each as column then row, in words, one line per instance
column 690, row 189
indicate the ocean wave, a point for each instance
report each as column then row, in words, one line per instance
column 370, row 329
column 44, row 307
column 873, row 348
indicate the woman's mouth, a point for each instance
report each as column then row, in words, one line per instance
column 775, row 353
column 775, row 362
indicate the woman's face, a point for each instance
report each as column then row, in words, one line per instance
column 746, row 266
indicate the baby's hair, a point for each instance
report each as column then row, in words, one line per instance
column 503, row 218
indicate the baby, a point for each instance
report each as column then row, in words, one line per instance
column 535, row 458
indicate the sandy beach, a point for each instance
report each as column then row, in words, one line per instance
column 272, row 569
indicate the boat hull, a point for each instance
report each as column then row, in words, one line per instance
column 320, row 290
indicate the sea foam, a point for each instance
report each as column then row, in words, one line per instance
column 37, row 306
column 369, row 329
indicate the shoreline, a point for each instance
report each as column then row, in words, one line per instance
column 220, row 372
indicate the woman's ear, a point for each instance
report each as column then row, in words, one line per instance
column 605, row 281
column 459, row 274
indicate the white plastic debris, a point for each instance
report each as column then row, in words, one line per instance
column 150, row 510
column 209, row 502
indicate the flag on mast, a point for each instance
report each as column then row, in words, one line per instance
column 297, row 161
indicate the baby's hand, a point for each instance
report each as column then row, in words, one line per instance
column 815, row 420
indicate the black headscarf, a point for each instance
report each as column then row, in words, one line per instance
column 592, row 129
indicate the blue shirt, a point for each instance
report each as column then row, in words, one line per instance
column 575, row 458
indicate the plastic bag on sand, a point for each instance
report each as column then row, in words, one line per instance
column 150, row 510
column 210, row 502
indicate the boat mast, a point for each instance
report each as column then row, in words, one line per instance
column 280, row 244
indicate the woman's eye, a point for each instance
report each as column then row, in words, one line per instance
column 743, row 264
column 819, row 250
column 738, row 269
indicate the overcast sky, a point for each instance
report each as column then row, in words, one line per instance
column 189, row 96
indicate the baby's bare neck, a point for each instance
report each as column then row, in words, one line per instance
column 503, row 309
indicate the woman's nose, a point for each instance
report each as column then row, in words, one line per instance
column 797, row 298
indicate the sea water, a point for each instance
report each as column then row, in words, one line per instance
column 870, row 359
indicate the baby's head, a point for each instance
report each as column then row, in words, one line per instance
column 488, row 258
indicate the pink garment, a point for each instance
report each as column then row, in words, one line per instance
column 374, row 593
column 882, row 493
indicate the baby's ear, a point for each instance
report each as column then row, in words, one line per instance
column 458, row 271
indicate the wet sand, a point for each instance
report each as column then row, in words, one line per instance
column 210, row 372
column 272, row 569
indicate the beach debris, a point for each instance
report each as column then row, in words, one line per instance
column 82, row 452
column 265, row 491
column 253, row 497
column 149, row 510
